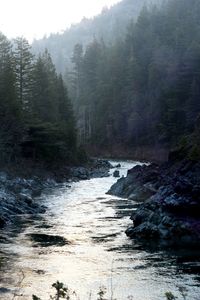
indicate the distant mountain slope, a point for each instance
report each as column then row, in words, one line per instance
column 109, row 25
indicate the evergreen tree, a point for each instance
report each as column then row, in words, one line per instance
column 77, row 60
column 143, row 90
column 10, row 118
column 44, row 99
column 51, row 133
column 66, row 115
column 24, row 67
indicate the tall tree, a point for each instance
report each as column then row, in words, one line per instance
column 10, row 118
column 52, row 135
column 77, row 60
column 44, row 99
column 24, row 67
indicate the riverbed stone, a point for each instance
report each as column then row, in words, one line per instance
column 169, row 197
column 26, row 198
column 117, row 166
column 46, row 240
column 116, row 173
column 2, row 222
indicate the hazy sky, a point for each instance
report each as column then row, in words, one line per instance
column 34, row 18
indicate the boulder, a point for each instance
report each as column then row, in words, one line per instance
column 26, row 198
column 2, row 222
column 116, row 173
column 144, row 231
column 117, row 166
column 169, row 201
column 80, row 173
column 117, row 189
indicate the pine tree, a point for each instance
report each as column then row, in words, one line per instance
column 10, row 118
column 52, row 135
column 77, row 60
column 44, row 99
column 66, row 115
column 23, row 68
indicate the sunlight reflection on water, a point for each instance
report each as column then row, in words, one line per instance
column 98, row 253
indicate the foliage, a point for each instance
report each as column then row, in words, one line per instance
column 61, row 291
column 64, row 292
column 35, row 297
column 140, row 90
column 144, row 88
column 23, row 71
column 102, row 293
column 11, row 128
column 36, row 116
column 110, row 24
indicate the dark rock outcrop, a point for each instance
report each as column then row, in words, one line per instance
column 170, row 201
column 46, row 240
column 116, row 174
column 18, row 196
column 96, row 168
column 117, row 166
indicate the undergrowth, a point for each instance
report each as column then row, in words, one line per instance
column 63, row 292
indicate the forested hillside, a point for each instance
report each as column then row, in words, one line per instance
column 109, row 25
column 135, row 85
column 144, row 89
column 36, row 123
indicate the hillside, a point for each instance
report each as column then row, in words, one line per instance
column 110, row 25
column 141, row 94
column 134, row 86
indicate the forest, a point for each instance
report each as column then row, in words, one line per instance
column 37, row 122
column 110, row 25
column 137, row 92
column 132, row 75
column 143, row 90
column 100, row 155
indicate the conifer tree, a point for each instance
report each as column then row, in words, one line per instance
column 10, row 118
column 77, row 60
column 23, row 69
column 44, row 99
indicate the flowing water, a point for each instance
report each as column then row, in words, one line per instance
column 97, row 252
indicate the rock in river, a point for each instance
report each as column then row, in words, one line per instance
column 169, row 197
column 116, row 173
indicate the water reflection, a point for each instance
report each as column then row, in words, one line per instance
column 87, row 247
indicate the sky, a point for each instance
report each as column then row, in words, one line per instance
column 35, row 18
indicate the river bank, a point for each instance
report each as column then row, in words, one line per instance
column 80, row 240
column 121, row 152
column 168, row 198
column 19, row 194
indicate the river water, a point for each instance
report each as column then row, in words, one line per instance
column 98, row 253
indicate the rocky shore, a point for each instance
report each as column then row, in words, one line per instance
column 168, row 199
column 19, row 195
column 96, row 168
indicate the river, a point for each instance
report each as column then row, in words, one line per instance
column 97, row 254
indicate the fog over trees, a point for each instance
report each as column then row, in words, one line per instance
column 132, row 74
column 142, row 89
column 109, row 25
